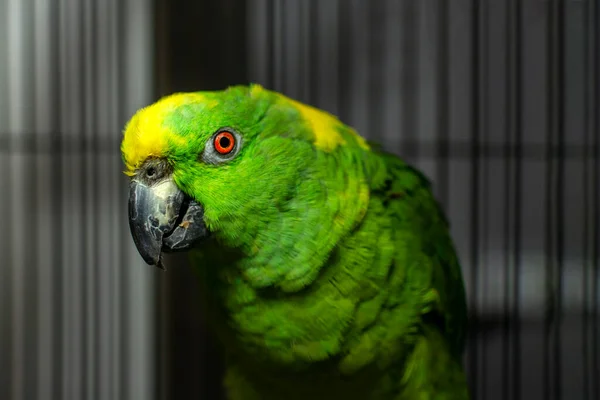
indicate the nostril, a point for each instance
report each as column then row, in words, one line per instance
column 150, row 172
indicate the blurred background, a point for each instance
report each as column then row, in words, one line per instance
column 498, row 102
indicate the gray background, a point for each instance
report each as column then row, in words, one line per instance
column 496, row 101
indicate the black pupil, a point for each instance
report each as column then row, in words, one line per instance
column 224, row 142
column 151, row 171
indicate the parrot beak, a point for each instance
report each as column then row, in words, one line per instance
column 163, row 219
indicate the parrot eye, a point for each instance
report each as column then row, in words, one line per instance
column 222, row 146
column 224, row 142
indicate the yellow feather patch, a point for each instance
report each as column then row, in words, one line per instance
column 255, row 89
column 324, row 125
column 145, row 135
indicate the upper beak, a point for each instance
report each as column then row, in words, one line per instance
column 161, row 218
column 153, row 211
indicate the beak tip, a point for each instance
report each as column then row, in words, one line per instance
column 159, row 264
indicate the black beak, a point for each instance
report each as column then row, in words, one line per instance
column 162, row 218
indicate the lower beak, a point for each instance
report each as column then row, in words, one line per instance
column 158, row 211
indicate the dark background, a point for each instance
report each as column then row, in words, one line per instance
column 496, row 101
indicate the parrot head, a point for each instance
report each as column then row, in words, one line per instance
column 249, row 167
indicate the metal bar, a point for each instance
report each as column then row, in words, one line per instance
column 344, row 61
column 57, row 199
column 442, row 98
column 508, row 162
column 313, row 41
column 480, row 356
column 30, row 195
column 122, row 284
column 559, row 195
column 114, row 367
column 410, row 78
column 5, row 293
column 68, row 338
column 553, row 387
column 588, row 206
column 46, row 168
column 87, row 57
column 16, row 123
column 515, row 128
column 277, row 46
column 272, row 56
column 306, row 35
column 391, row 95
column 375, row 24
column 594, row 13
column 291, row 44
column 476, row 28
column 101, row 189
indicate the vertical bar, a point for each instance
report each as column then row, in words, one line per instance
column 476, row 28
column 277, row 46
column 554, row 197
column 123, row 283
column 101, row 193
column 358, row 68
column 30, row 192
column 74, row 247
column 18, row 128
column 442, row 98
column 344, row 60
column 426, row 112
column 5, row 292
column 508, row 206
column 513, row 108
column 588, row 205
column 390, row 93
column 92, row 156
column 58, row 225
column 376, row 27
column 548, row 231
column 410, row 76
column 481, row 123
column 30, row 203
column 87, row 49
column 118, row 216
column 306, row 36
column 594, row 13
column 313, row 46
column 272, row 32
column 292, row 48
column 45, row 252
column 327, row 50
column 259, row 49
column 4, row 78
column 559, row 195
column 68, row 341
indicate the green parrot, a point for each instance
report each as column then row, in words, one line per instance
column 325, row 265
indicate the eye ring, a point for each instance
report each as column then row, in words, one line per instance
column 224, row 142
column 222, row 146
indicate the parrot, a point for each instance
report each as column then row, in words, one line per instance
column 324, row 263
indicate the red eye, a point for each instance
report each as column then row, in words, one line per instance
column 224, row 142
